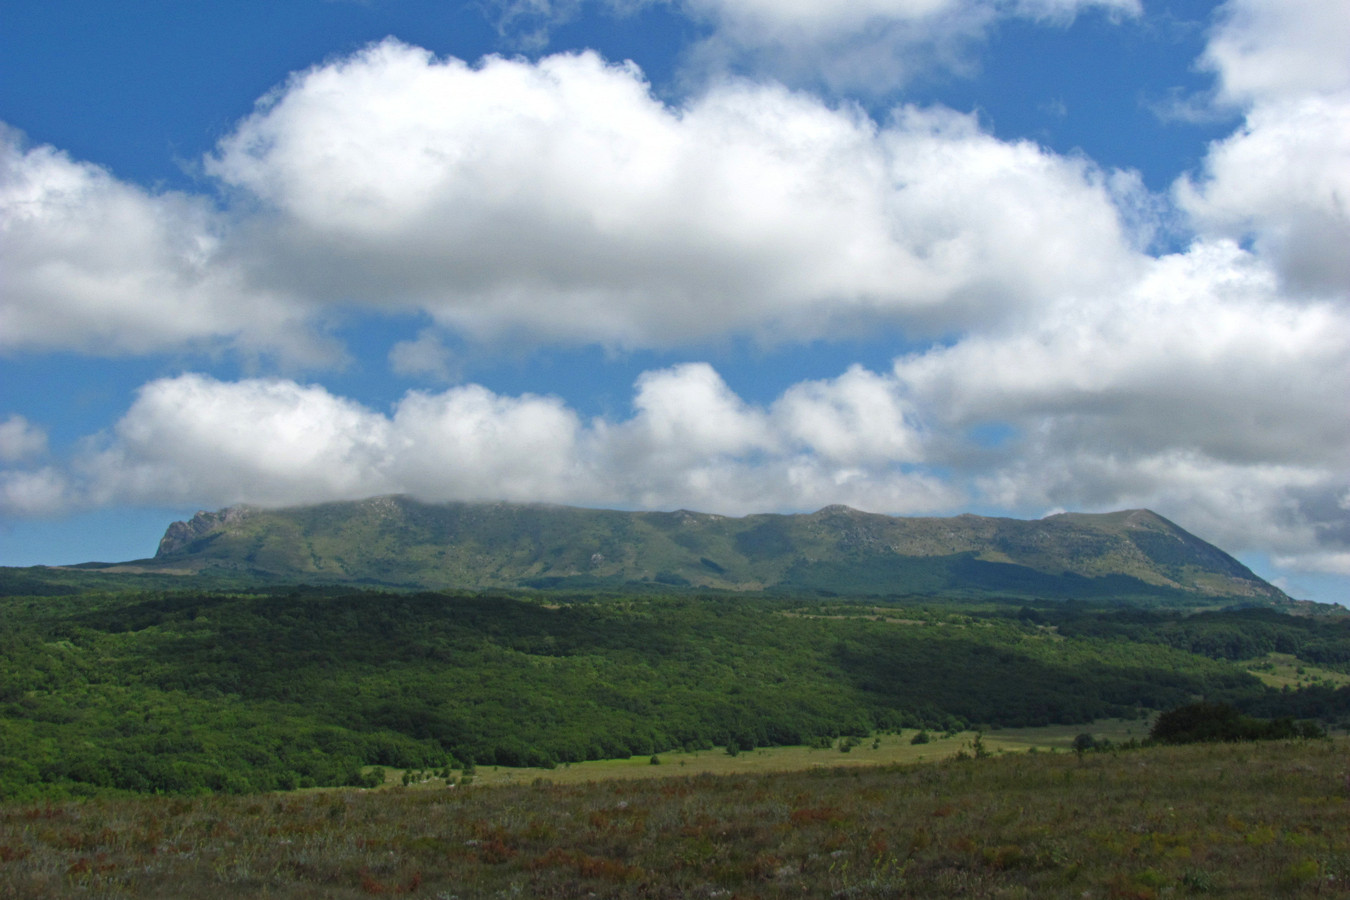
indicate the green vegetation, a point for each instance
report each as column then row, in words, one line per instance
column 1207, row 722
column 398, row 542
column 243, row 692
column 1263, row 820
column 630, row 734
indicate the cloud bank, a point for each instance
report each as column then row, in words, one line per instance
column 560, row 202
column 195, row 439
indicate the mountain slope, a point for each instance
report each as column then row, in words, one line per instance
column 400, row 541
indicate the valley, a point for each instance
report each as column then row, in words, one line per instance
column 968, row 717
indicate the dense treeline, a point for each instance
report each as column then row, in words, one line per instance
column 1236, row 634
column 1209, row 722
column 182, row 692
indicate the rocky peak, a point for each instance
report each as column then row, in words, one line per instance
column 180, row 534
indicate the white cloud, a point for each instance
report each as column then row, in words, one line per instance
column 265, row 439
column 560, row 200
column 35, row 493
column 1275, row 49
column 1329, row 563
column 1283, row 179
column 426, row 356
column 555, row 201
column 1188, row 394
column 688, row 412
column 1240, row 507
column 690, row 442
column 469, row 443
column 858, row 418
column 803, row 24
column 1201, row 352
column 1198, row 391
column 21, row 440
column 871, row 46
column 96, row 265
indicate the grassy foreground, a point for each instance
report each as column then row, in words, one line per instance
column 1245, row 820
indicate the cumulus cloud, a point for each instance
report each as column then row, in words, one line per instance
column 556, row 201
column 470, row 443
column 1273, row 49
column 1283, row 179
column 1241, row 507
column 97, row 265
column 1190, row 391
column 1199, row 391
column 689, row 442
column 858, row 418
column 21, row 440
column 1201, row 352
column 193, row 436
column 689, row 413
column 36, row 492
column 560, row 200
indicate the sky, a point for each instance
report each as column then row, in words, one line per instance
column 919, row 257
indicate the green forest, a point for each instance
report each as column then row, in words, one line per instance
column 234, row 692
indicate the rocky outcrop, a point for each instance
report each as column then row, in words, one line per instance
column 181, row 537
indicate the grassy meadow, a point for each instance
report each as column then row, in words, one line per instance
column 878, row 750
column 1280, row 670
column 1252, row 820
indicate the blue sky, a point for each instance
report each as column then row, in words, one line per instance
column 917, row 256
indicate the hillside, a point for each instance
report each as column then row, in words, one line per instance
column 397, row 541
column 233, row 691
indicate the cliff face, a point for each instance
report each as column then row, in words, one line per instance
column 180, row 536
column 400, row 541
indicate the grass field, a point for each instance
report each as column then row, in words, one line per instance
column 891, row 749
column 1280, row 670
column 1233, row 820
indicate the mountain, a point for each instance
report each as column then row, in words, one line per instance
column 398, row 541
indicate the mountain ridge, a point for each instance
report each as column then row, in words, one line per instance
column 398, row 541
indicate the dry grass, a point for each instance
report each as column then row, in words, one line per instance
column 1253, row 820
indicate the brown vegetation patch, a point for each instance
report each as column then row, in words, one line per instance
column 1147, row 823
